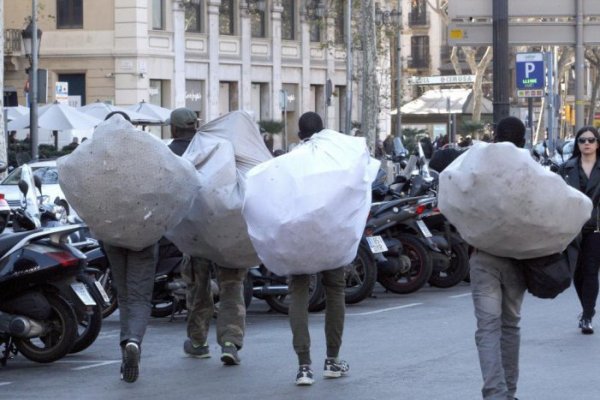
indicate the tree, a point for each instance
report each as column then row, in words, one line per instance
column 3, row 155
column 370, row 91
column 478, row 69
column 593, row 56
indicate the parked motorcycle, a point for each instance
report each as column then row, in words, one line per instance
column 39, row 291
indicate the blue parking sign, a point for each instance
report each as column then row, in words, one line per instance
column 530, row 74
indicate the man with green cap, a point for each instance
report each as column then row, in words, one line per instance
column 232, row 311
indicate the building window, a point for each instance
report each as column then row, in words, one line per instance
column 418, row 13
column 419, row 49
column 193, row 17
column 315, row 31
column 69, row 14
column 339, row 24
column 226, row 17
column 288, row 22
column 258, row 23
column 158, row 14
column 76, row 88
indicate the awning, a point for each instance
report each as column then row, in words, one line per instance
column 445, row 101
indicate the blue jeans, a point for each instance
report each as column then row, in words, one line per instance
column 498, row 286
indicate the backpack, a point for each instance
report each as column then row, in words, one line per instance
column 546, row 277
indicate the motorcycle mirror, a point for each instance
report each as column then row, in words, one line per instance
column 23, row 187
column 38, row 183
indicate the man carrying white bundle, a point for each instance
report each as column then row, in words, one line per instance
column 334, row 282
column 498, row 287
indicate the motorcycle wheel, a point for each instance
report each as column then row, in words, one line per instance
column 89, row 324
column 361, row 276
column 59, row 337
column 420, row 267
column 458, row 269
column 281, row 303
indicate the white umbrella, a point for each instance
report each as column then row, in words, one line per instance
column 101, row 110
column 57, row 117
column 151, row 110
column 13, row 113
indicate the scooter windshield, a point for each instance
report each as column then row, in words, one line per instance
column 30, row 200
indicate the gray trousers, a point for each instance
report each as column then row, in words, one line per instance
column 133, row 275
column 498, row 286
column 335, row 283
column 231, row 321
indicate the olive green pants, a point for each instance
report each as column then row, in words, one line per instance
column 335, row 283
column 231, row 319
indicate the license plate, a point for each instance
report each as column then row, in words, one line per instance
column 423, row 228
column 376, row 244
column 102, row 292
column 83, row 294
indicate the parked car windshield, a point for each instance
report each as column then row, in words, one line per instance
column 48, row 175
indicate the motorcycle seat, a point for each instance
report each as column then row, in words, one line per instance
column 9, row 239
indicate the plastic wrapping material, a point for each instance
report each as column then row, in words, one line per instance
column 222, row 151
column 306, row 210
column 504, row 203
column 127, row 185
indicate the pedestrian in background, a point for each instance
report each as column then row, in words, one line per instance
column 231, row 320
column 334, row 282
column 498, row 287
column 582, row 171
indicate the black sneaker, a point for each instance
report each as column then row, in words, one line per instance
column 334, row 368
column 586, row 326
column 229, row 354
column 130, row 367
column 304, row 376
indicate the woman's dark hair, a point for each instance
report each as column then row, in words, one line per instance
column 581, row 131
column 121, row 113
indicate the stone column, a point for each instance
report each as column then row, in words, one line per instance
column 330, row 61
column 130, row 50
column 246, row 52
column 212, row 106
column 178, row 86
column 276, row 78
column 305, row 45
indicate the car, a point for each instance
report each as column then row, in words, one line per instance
column 47, row 172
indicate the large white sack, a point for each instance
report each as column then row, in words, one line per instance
column 504, row 203
column 306, row 210
column 127, row 185
column 222, row 151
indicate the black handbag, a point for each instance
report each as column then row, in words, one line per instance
column 546, row 277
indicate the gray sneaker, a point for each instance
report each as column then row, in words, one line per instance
column 196, row 351
column 130, row 367
column 334, row 368
column 229, row 354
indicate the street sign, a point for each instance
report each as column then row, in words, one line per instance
column 441, row 80
column 530, row 74
column 61, row 93
column 523, row 34
column 520, row 8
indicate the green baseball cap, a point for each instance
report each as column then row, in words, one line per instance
column 182, row 118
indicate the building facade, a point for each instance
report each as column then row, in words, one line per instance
column 274, row 58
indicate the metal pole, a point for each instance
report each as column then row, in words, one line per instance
column 550, row 80
column 500, row 62
column 579, row 67
column 399, row 72
column 530, row 118
column 33, row 112
column 348, row 23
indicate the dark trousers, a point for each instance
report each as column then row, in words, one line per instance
column 586, row 273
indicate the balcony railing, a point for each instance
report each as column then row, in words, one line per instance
column 12, row 41
column 418, row 19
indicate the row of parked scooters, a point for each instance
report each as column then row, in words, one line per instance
column 56, row 282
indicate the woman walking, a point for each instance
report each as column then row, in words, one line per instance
column 582, row 171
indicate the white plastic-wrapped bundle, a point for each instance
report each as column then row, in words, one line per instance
column 222, row 151
column 504, row 203
column 127, row 185
column 306, row 210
